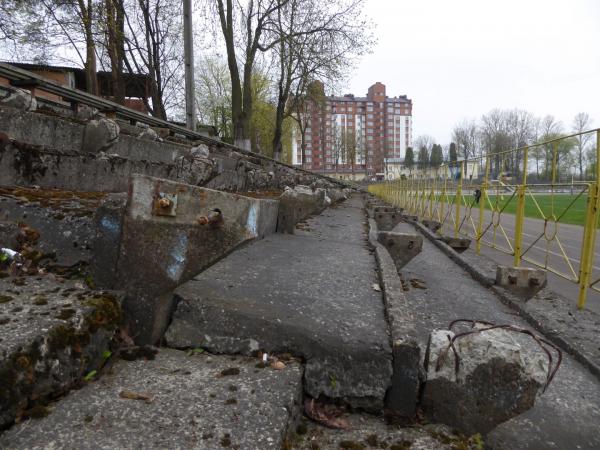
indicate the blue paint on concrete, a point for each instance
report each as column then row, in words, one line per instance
column 252, row 222
column 110, row 225
column 178, row 256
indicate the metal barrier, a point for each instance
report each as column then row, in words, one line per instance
column 528, row 221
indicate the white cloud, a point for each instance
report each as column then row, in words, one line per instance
column 459, row 59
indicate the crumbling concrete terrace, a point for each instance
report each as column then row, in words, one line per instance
column 310, row 294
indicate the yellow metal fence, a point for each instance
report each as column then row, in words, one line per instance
column 493, row 212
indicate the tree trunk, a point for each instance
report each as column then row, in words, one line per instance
column 91, row 76
column 116, row 47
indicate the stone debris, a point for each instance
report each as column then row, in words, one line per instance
column 149, row 135
column 20, row 99
column 85, row 112
column 200, row 151
column 479, row 379
column 100, row 135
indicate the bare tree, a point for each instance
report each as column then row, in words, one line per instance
column 550, row 129
column 582, row 122
column 213, row 96
column 424, row 140
column 114, row 27
column 304, row 103
column 53, row 24
column 466, row 137
column 153, row 45
column 256, row 19
column 317, row 40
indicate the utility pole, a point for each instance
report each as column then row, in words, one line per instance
column 188, row 48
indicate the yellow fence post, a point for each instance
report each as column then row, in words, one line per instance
column 589, row 233
column 458, row 198
column 423, row 195
column 520, row 216
column 482, row 204
column 443, row 203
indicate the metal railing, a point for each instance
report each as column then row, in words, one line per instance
column 535, row 223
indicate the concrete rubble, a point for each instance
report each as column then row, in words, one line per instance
column 99, row 135
column 488, row 379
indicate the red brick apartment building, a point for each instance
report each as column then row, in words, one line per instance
column 379, row 127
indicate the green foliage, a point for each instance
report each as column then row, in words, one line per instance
column 423, row 158
column 106, row 354
column 333, row 381
column 409, row 158
column 436, row 157
column 452, row 154
column 195, row 351
column 90, row 375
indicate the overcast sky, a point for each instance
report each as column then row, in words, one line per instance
column 461, row 58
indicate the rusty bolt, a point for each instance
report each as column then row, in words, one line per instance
column 534, row 282
column 164, row 203
column 512, row 279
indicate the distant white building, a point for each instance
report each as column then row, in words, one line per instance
column 395, row 169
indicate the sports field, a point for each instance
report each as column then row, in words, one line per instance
column 567, row 208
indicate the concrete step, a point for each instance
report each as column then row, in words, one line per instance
column 196, row 401
column 52, row 333
column 310, row 294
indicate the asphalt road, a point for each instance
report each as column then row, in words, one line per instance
column 561, row 253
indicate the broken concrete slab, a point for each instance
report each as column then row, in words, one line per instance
column 198, row 402
column 487, row 378
column 52, row 333
column 402, row 247
column 523, row 281
column 299, row 294
column 458, row 244
column 167, row 238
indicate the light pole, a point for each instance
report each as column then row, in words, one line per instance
column 188, row 48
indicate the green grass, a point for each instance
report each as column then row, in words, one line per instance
column 575, row 207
